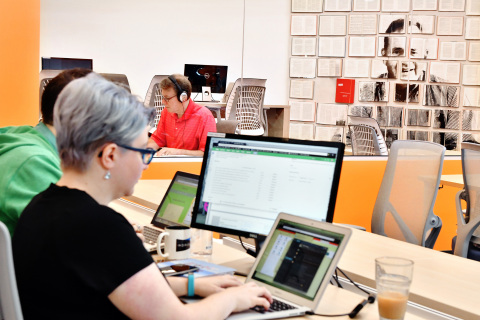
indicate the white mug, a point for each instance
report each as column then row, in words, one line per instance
column 177, row 243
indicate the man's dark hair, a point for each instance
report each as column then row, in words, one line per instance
column 53, row 89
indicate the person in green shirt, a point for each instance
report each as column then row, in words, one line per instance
column 29, row 159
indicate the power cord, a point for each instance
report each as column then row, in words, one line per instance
column 249, row 251
column 352, row 314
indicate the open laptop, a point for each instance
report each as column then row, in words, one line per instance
column 175, row 208
column 296, row 264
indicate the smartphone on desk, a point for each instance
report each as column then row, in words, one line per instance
column 177, row 269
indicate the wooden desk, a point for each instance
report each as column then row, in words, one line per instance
column 441, row 281
column 452, row 180
column 278, row 117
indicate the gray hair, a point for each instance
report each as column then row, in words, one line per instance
column 91, row 112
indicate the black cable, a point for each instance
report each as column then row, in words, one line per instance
column 352, row 314
column 249, row 251
column 353, row 282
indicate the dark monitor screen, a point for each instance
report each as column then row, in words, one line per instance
column 51, row 63
column 246, row 181
column 201, row 75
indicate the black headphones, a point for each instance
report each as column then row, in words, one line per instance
column 181, row 94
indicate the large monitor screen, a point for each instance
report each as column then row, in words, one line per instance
column 50, row 63
column 246, row 181
column 201, row 75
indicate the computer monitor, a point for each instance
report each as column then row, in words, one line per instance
column 50, row 63
column 201, row 75
column 177, row 203
column 246, row 181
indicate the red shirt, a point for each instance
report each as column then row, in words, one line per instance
column 189, row 132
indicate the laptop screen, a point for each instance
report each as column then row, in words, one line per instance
column 247, row 181
column 297, row 258
column 177, row 204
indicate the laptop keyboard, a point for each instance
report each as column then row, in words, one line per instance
column 151, row 234
column 274, row 307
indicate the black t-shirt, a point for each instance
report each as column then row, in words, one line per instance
column 70, row 253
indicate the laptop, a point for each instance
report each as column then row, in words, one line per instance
column 175, row 209
column 296, row 264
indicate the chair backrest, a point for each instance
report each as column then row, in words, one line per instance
column 404, row 206
column 364, row 140
column 153, row 96
column 247, row 109
column 241, row 82
column 10, row 308
column 118, row 79
column 47, row 75
column 468, row 227
column 354, row 120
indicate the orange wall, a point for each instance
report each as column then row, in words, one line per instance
column 19, row 61
column 359, row 184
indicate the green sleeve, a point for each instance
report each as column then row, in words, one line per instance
column 33, row 176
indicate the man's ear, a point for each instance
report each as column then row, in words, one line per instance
column 108, row 155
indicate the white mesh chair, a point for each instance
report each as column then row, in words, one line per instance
column 364, row 140
column 153, row 96
column 10, row 308
column 467, row 243
column 404, row 206
column 380, row 140
column 247, row 109
column 241, row 82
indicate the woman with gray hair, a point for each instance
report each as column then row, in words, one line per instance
column 76, row 258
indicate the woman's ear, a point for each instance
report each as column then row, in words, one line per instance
column 108, row 155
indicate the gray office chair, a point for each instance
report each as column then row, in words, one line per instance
column 364, row 140
column 47, row 75
column 404, row 206
column 10, row 308
column 377, row 138
column 118, row 79
column 467, row 242
column 153, row 96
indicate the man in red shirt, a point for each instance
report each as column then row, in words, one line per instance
column 183, row 125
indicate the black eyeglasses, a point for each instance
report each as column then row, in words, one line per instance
column 147, row 154
column 167, row 99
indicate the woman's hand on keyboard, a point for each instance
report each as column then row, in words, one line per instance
column 250, row 295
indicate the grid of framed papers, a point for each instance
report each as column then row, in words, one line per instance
column 416, row 66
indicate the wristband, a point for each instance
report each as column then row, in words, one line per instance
column 191, row 285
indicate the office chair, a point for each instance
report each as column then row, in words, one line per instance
column 364, row 140
column 47, row 75
column 119, row 79
column 153, row 96
column 377, row 138
column 241, row 82
column 247, row 109
column 467, row 242
column 10, row 308
column 230, row 92
column 404, row 206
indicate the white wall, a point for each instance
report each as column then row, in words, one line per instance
column 148, row 37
